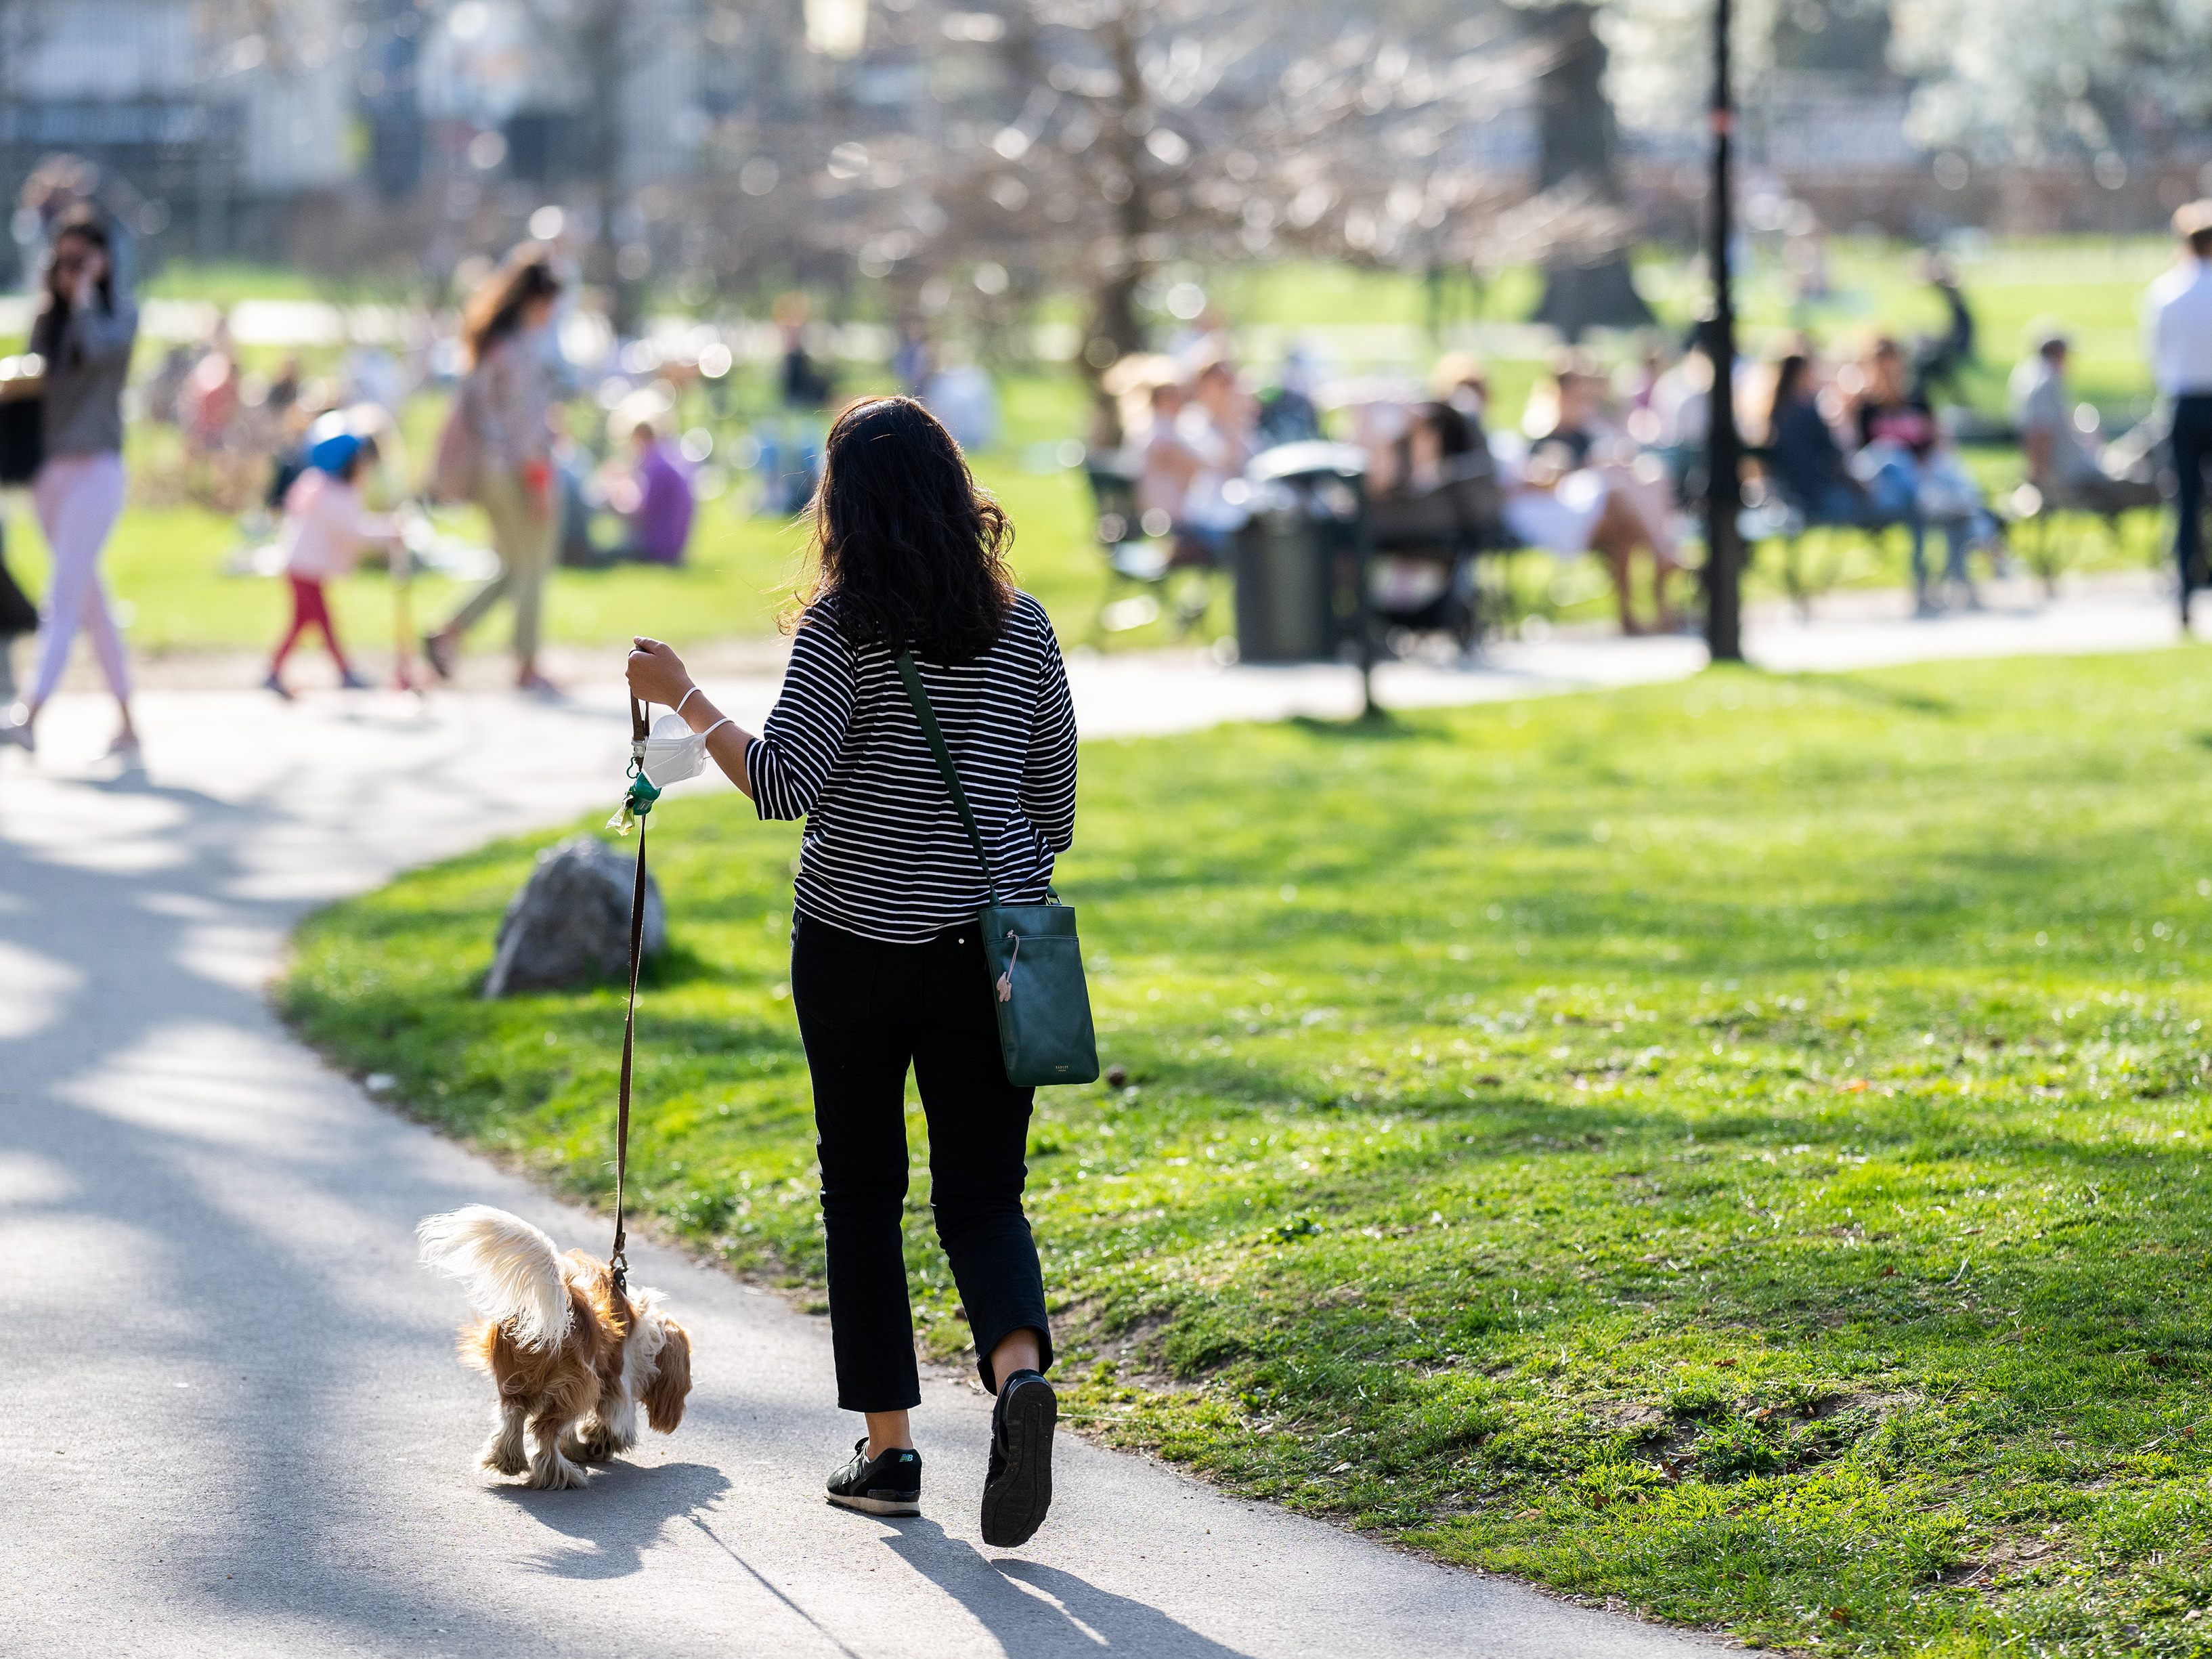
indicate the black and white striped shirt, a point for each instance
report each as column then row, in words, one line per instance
column 884, row 854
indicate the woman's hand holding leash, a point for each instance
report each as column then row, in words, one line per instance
column 657, row 674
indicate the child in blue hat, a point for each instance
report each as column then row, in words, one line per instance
column 326, row 530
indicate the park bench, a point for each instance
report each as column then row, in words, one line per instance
column 1428, row 547
column 2039, row 524
column 1144, row 578
column 1816, row 559
column 2040, row 513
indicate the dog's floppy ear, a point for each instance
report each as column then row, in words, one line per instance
column 671, row 1379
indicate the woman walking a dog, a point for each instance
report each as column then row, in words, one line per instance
column 887, row 961
column 498, row 450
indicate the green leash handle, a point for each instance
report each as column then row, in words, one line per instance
column 637, row 800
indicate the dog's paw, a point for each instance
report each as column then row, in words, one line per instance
column 556, row 1473
column 594, row 1445
column 503, row 1455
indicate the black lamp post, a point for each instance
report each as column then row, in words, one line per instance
column 1723, row 444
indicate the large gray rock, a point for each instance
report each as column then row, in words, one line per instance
column 569, row 926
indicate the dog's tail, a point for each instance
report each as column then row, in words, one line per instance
column 510, row 1270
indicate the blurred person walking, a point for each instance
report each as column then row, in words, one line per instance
column 2177, row 333
column 497, row 450
column 888, row 969
column 791, row 439
column 326, row 530
column 63, row 186
column 83, row 332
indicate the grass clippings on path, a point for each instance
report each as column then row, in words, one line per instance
column 1737, row 1147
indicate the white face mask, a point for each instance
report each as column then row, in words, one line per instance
column 673, row 752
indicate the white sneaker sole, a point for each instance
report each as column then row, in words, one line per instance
column 877, row 1505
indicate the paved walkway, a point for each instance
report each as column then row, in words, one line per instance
column 236, row 1427
column 1125, row 694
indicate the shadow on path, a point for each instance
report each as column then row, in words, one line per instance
column 250, row 1228
column 769, row 1585
column 618, row 1516
column 1044, row 1613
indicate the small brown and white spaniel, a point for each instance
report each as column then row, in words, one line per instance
column 572, row 1357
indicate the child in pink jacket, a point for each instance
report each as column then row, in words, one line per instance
column 326, row 530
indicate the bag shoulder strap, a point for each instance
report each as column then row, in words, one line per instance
column 919, row 698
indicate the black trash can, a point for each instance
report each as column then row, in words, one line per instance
column 1299, row 558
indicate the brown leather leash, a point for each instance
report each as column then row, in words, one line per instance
column 618, row 1261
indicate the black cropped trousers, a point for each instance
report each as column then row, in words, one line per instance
column 867, row 1011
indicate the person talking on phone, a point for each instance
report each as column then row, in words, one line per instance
column 83, row 332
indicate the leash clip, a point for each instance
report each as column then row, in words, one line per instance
column 618, row 1270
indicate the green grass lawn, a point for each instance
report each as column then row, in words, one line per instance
column 1736, row 1147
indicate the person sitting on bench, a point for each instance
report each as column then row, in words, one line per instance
column 1435, row 487
column 2068, row 464
column 1187, row 469
column 1807, row 465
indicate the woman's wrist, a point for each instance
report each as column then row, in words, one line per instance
column 697, row 709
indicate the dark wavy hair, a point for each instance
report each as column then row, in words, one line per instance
column 493, row 311
column 909, row 553
column 1787, row 375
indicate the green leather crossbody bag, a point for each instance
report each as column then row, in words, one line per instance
column 1034, row 961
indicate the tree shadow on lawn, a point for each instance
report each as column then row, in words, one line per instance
column 1398, row 874
column 2079, row 1280
column 1385, row 726
column 2086, row 1348
column 663, row 1038
column 685, row 1037
column 1877, row 692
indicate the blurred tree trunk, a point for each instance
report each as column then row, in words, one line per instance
column 1587, row 283
column 1116, row 329
column 602, row 64
column 588, row 39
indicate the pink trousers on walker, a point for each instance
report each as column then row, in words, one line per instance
column 77, row 499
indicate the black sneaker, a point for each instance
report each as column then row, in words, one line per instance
column 890, row 1485
column 1018, row 1491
